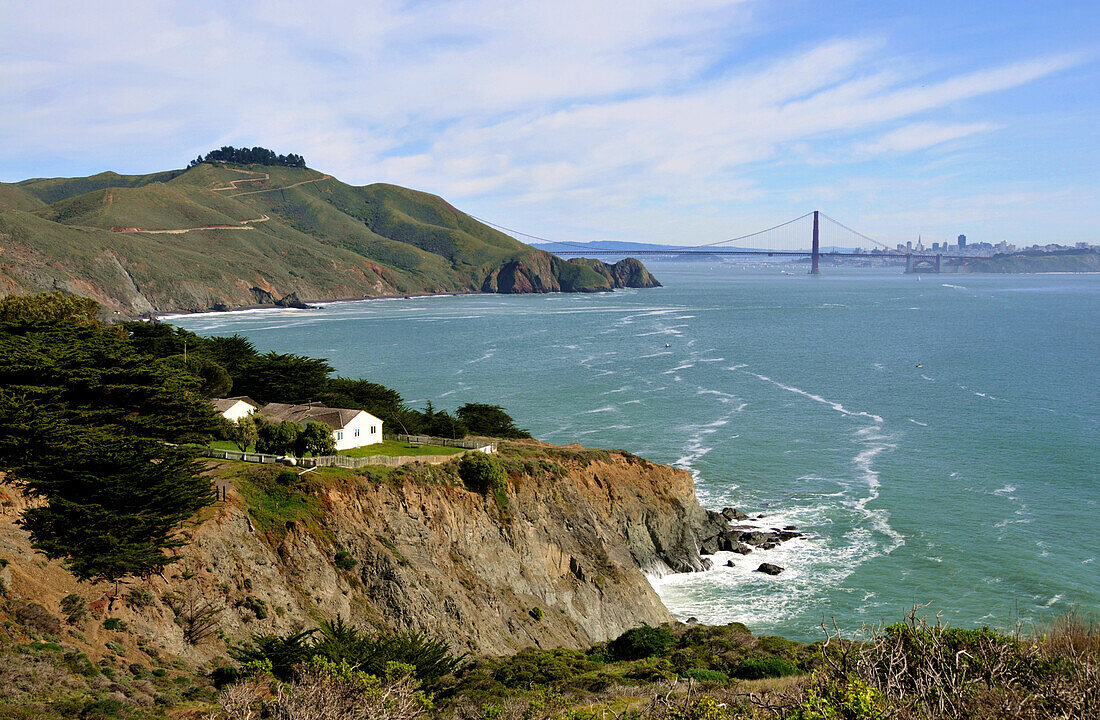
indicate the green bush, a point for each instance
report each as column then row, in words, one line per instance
column 482, row 473
column 641, row 642
column 74, row 608
column 755, row 668
column 254, row 604
column 344, row 560
column 537, row 613
column 652, row 670
column 374, row 653
column 139, row 598
column 113, row 623
column 702, row 675
column 282, row 652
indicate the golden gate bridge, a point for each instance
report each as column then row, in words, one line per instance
column 803, row 236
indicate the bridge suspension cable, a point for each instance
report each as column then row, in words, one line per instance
column 857, row 233
column 792, row 241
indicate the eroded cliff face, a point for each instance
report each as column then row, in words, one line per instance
column 574, row 536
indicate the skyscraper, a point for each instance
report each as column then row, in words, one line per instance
column 962, row 241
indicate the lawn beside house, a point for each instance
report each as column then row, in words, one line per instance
column 396, row 448
column 392, row 448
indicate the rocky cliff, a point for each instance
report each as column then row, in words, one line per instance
column 558, row 559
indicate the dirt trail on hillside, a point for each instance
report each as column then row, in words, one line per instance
column 242, row 225
column 284, row 187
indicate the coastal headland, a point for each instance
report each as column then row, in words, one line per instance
column 222, row 236
column 559, row 558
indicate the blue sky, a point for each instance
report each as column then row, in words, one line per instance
column 676, row 122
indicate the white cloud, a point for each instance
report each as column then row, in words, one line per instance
column 615, row 115
column 920, row 136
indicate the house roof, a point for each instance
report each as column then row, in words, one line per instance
column 335, row 418
column 223, row 404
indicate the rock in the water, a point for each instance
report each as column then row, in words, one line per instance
column 730, row 563
column 734, row 514
column 769, row 569
column 741, row 549
column 769, row 545
column 707, row 563
column 790, row 527
column 759, row 538
column 729, row 539
column 709, row 546
column 789, row 535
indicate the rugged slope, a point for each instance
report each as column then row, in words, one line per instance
column 218, row 236
column 572, row 536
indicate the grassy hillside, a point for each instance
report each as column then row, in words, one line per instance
column 224, row 236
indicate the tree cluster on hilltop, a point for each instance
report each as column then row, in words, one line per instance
column 249, row 156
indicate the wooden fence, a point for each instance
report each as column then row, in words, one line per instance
column 358, row 462
column 444, row 442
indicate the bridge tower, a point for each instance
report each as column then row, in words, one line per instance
column 815, row 253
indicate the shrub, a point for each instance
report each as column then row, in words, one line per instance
column 641, row 642
column 430, row 658
column 287, row 477
column 139, row 598
column 254, row 604
column 282, row 652
column 537, row 613
column 79, row 664
column 344, row 560
column 702, row 675
column 36, row 618
column 755, row 668
column 482, row 473
column 74, row 608
column 113, row 623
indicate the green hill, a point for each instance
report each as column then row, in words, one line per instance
column 221, row 236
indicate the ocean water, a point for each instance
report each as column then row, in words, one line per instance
column 936, row 440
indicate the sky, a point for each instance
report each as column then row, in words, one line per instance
column 681, row 122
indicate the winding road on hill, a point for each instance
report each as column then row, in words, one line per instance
column 233, row 185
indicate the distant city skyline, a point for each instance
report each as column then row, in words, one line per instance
column 675, row 123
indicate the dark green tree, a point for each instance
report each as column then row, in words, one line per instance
column 491, row 420
column 482, row 473
column 379, row 400
column 279, row 377
column 52, row 307
column 214, row 381
column 316, row 438
column 244, row 433
column 84, row 422
column 278, row 439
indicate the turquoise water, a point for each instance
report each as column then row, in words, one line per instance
column 936, row 439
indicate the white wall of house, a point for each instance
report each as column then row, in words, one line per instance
column 363, row 429
column 238, row 410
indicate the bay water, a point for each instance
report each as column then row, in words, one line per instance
column 937, row 439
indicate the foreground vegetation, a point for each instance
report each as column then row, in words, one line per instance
column 908, row 670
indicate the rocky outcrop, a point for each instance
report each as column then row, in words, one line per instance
column 574, row 535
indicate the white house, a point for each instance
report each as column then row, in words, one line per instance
column 235, row 408
column 350, row 428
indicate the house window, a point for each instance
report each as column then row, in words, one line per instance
column 373, row 429
column 356, row 432
column 339, row 434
